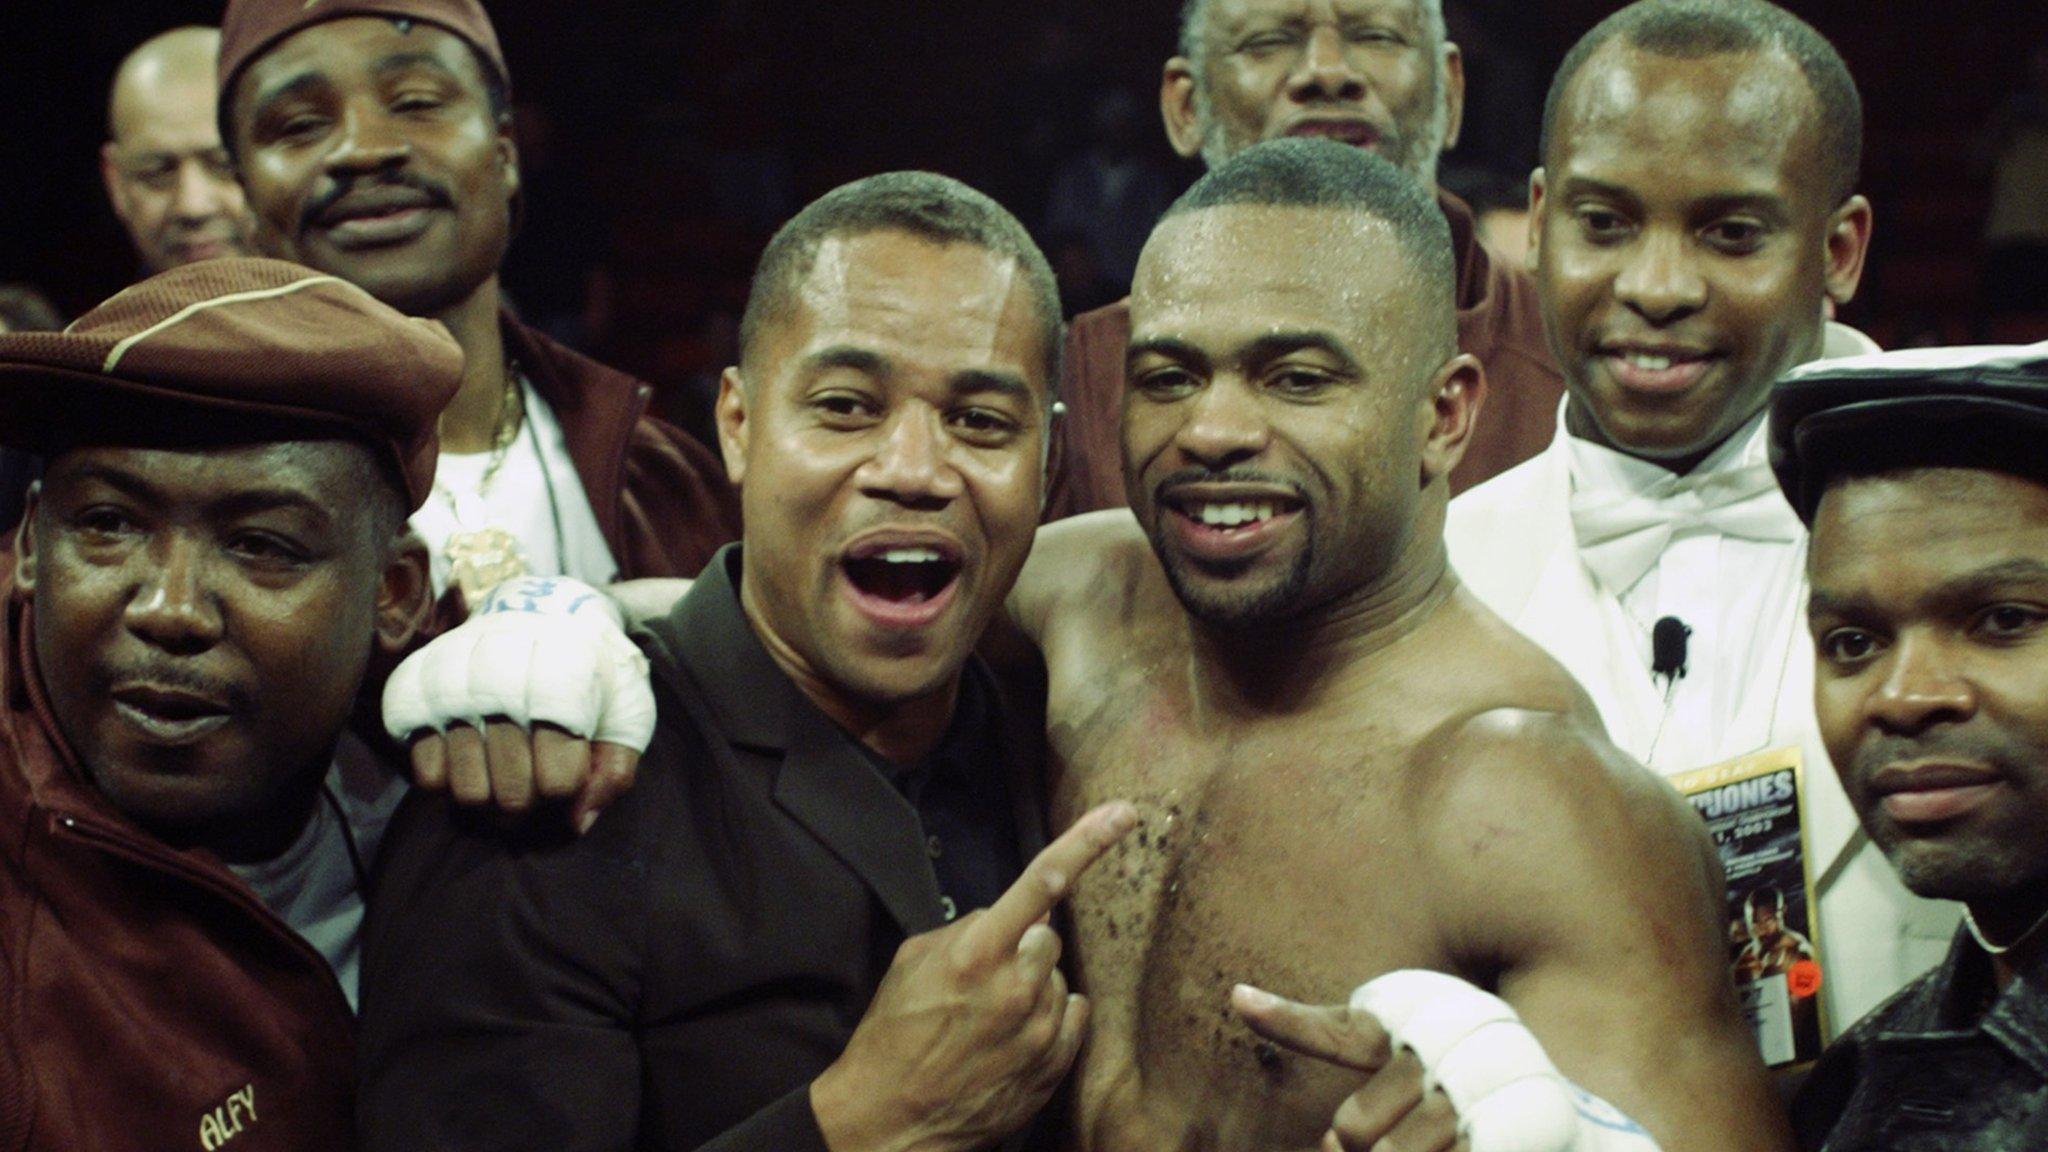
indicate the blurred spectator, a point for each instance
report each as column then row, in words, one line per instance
column 1113, row 192
column 22, row 309
column 1500, row 209
column 168, row 178
column 2016, row 237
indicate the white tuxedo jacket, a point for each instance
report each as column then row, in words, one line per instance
column 1512, row 543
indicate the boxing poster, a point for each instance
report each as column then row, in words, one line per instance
column 1753, row 807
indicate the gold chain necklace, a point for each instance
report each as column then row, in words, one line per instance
column 481, row 558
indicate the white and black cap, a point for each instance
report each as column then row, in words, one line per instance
column 1970, row 407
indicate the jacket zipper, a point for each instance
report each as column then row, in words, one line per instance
column 117, row 843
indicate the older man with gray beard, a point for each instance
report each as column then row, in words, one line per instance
column 1377, row 74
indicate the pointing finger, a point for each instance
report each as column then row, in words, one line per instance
column 1047, row 879
column 1332, row 1033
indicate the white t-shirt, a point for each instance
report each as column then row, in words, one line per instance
column 535, row 495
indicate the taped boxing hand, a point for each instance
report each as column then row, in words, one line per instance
column 972, row 1028
column 505, row 707
column 1442, row 1049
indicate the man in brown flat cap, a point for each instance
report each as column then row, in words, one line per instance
column 374, row 141
column 215, row 555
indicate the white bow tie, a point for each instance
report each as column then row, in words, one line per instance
column 1621, row 534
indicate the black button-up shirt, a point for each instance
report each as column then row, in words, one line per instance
column 963, row 803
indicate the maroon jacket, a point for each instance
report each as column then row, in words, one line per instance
column 1498, row 321
column 148, row 999
column 661, row 498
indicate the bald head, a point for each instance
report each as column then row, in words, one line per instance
column 167, row 177
column 167, row 66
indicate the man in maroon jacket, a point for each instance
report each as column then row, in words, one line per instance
column 215, row 555
column 374, row 141
column 1374, row 73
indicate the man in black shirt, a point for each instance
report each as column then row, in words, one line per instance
column 831, row 782
column 1922, row 477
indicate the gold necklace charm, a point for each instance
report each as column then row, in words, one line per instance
column 479, row 561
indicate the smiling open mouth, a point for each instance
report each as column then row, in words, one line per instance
column 902, row 574
column 1232, row 516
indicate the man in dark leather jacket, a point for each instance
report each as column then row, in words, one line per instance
column 1923, row 480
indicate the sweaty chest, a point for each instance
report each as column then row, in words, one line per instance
column 1276, row 852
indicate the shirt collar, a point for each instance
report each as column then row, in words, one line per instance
column 967, row 742
column 1596, row 467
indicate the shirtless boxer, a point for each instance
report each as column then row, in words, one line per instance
column 1346, row 765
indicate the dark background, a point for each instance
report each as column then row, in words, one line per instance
column 677, row 135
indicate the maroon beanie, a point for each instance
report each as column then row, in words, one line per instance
column 221, row 347
column 251, row 27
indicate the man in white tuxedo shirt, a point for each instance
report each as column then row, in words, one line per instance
column 1695, row 215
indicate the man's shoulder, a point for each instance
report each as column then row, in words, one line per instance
column 1091, row 565
column 1509, row 493
column 564, row 376
column 1824, row 1096
column 1552, row 774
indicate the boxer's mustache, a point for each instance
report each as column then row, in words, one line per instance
column 1197, row 475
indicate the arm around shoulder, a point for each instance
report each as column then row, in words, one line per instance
column 499, row 989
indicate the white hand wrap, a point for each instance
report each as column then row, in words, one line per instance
column 539, row 649
column 1508, row 1095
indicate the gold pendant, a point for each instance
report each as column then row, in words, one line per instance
column 481, row 560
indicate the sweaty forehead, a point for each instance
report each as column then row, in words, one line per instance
column 1739, row 118
column 947, row 307
column 1237, row 272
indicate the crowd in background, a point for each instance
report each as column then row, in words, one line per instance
column 380, row 374
column 662, row 153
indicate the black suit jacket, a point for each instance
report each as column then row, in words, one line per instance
column 677, row 977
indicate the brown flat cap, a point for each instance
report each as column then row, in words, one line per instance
column 235, row 350
column 250, row 27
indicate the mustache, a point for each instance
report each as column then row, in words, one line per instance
column 320, row 205
column 178, row 677
column 1198, row 475
column 1996, row 750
